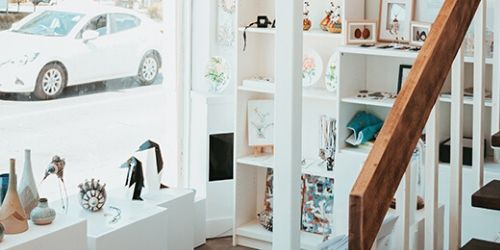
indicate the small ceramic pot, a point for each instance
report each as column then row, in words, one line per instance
column 43, row 214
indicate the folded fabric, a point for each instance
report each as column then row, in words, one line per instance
column 364, row 127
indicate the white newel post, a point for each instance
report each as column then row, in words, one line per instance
column 288, row 125
column 431, row 180
column 456, row 151
column 479, row 96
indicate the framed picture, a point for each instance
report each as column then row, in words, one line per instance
column 394, row 20
column 419, row 33
column 404, row 70
column 361, row 32
column 260, row 122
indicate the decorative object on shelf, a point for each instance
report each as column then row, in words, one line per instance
column 312, row 67
column 317, row 206
column 307, row 21
column 115, row 217
column 332, row 72
column 262, row 22
column 327, row 141
column 361, row 32
column 4, row 186
column 364, row 126
column 377, row 95
column 217, row 73
column 56, row 167
column 420, row 203
column 154, row 167
column 404, row 71
column 27, row 190
column 43, row 214
column 335, row 24
column 326, row 20
column 135, row 177
column 228, row 6
column 260, row 123
column 394, row 19
column 92, row 195
column 12, row 214
column 266, row 216
column 225, row 22
column 419, row 32
column 489, row 41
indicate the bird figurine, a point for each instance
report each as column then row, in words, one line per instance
column 159, row 159
column 134, row 176
column 56, row 167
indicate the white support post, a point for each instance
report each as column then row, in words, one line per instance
column 431, row 180
column 288, row 125
column 403, row 207
column 495, row 91
column 456, row 151
column 479, row 96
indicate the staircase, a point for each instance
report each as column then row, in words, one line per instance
column 387, row 162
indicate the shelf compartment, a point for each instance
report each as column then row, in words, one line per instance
column 467, row 100
column 388, row 103
column 252, row 234
column 263, row 161
column 308, row 93
column 311, row 33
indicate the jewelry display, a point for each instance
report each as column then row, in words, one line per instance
column 115, row 217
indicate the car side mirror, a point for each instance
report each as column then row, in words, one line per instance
column 89, row 35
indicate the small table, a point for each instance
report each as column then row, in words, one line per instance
column 180, row 205
column 64, row 233
column 141, row 225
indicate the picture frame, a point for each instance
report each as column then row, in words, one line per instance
column 404, row 70
column 260, row 123
column 419, row 31
column 361, row 32
column 394, row 20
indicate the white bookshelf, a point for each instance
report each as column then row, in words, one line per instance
column 258, row 61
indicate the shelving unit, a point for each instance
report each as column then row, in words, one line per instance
column 258, row 61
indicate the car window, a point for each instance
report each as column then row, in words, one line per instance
column 98, row 23
column 121, row 22
column 51, row 23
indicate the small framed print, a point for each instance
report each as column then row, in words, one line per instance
column 394, row 20
column 260, row 123
column 404, row 71
column 361, row 32
column 419, row 33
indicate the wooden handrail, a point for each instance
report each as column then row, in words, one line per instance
column 387, row 162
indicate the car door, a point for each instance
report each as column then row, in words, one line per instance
column 126, row 43
column 92, row 59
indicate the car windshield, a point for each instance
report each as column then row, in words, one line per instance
column 51, row 23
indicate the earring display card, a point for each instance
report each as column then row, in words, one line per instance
column 317, row 208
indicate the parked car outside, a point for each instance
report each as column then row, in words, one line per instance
column 72, row 45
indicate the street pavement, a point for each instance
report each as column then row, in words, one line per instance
column 95, row 131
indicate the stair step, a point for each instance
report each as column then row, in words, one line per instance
column 488, row 196
column 495, row 140
column 475, row 244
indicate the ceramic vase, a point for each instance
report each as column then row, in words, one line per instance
column 12, row 214
column 43, row 214
column 27, row 190
column 4, row 185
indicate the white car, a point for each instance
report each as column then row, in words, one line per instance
column 64, row 46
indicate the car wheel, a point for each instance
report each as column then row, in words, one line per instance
column 148, row 70
column 50, row 82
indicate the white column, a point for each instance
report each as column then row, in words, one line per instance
column 456, row 132
column 431, row 180
column 403, row 207
column 288, row 125
column 495, row 112
column 478, row 108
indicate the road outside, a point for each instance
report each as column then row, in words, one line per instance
column 95, row 132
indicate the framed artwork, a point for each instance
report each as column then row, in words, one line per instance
column 225, row 22
column 361, row 32
column 394, row 20
column 317, row 206
column 260, row 122
column 404, row 71
column 419, row 33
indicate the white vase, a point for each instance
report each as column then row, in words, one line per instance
column 27, row 190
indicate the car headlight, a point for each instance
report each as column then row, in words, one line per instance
column 25, row 59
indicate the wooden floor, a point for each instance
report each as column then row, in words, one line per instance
column 220, row 244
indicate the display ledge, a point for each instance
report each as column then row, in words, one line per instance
column 308, row 93
column 311, row 33
column 467, row 100
column 314, row 167
column 373, row 51
column 388, row 103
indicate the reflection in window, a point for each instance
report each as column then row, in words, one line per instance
column 121, row 22
column 51, row 23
